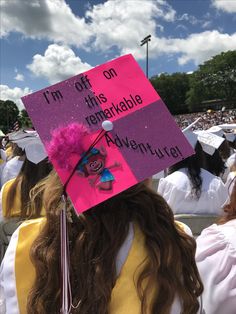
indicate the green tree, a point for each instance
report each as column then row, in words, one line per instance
column 172, row 88
column 24, row 119
column 215, row 79
column 8, row 114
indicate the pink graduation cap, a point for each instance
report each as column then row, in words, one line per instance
column 105, row 130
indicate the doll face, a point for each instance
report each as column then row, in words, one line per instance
column 95, row 164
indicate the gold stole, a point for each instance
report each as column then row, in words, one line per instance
column 24, row 270
column 124, row 297
column 17, row 200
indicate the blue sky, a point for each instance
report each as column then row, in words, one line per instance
column 46, row 41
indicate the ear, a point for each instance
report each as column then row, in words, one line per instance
column 103, row 151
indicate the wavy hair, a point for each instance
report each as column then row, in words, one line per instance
column 214, row 163
column 95, row 238
column 29, row 175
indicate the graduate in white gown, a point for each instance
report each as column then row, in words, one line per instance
column 191, row 189
column 216, row 260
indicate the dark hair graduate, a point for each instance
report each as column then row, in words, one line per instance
column 193, row 165
column 95, row 238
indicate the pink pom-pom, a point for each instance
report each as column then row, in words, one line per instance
column 66, row 141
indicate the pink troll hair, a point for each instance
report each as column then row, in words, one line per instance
column 66, row 141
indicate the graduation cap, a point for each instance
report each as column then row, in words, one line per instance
column 31, row 144
column 229, row 131
column 105, row 130
column 209, row 141
column 139, row 137
column 190, row 135
column 216, row 130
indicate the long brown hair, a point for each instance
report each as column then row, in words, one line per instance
column 230, row 208
column 29, row 175
column 95, row 238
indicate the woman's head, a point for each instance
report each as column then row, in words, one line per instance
column 95, row 238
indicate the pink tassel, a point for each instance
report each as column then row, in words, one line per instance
column 65, row 264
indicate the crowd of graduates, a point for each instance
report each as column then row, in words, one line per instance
column 128, row 254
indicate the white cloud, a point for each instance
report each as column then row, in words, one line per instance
column 125, row 23
column 43, row 19
column 114, row 23
column 181, row 27
column 107, row 24
column 58, row 63
column 206, row 24
column 14, row 94
column 196, row 47
column 19, row 77
column 190, row 18
column 160, row 27
column 228, row 6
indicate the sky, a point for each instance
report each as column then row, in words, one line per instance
column 46, row 41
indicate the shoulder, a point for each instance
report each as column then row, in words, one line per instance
column 5, row 188
column 33, row 226
column 181, row 173
column 206, row 175
column 216, row 261
column 211, row 181
column 8, row 184
column 27, row 233
column 184, row 227
column 216, row 235
column 176, row 179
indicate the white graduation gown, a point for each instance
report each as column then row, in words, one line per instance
column 176, row 190
column 216, row 261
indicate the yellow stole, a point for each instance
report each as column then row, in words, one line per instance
column 9, row 151
column 24, row 270
column 124, row 297
column 17, row 200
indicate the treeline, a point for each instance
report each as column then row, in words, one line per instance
column 215, row 79
column 10, row 115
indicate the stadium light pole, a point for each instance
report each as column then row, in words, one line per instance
column 143, row 42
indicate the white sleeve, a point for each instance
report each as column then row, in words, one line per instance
column 174, row 196
column 216, row 261
column 221, row 195
column 167, row 190
column 8, row 293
